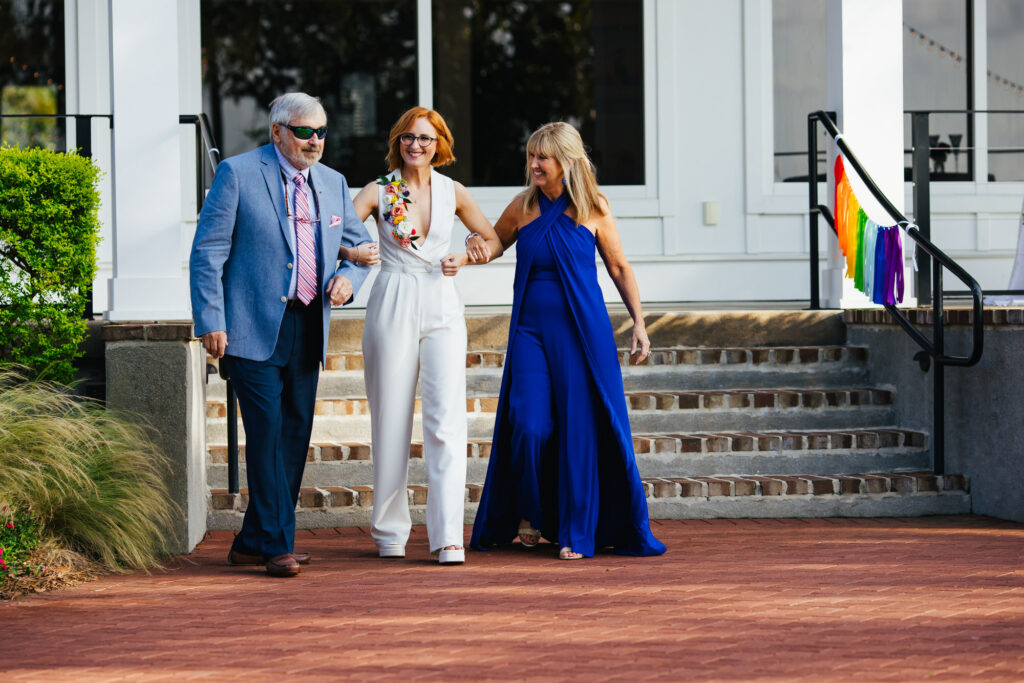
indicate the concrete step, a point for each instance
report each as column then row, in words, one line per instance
column 664, row 369
column 879, row 494
column 685, row 411
column 708, row 357
column 487, row 328
column 657, row 455
column 740, row 399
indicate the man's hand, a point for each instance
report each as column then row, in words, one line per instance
column 340, row 290
column 367, row 254
column 215, row 343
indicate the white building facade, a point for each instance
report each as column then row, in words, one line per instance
column 680, row 101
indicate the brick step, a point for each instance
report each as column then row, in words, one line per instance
column 650, row 401
column 335, row 428
column 761, row 356
column 487, row 327
column 911, row 493
column 688, row 411
column 665, row 369
column 332, row 428
column 859, row 439
column 660, row 455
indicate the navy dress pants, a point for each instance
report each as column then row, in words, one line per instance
column 276, row 398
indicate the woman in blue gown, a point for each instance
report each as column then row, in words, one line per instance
column 562, row 463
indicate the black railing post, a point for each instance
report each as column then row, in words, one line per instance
column 83, row 134
column 939, row 379
column 199, row 169
column 83, row 139
column 232, row 438
column 921, row 175
column 812, row 193
column 929, row 283
column 969, row 73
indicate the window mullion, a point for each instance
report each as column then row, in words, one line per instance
column 978, row 61
column 424, row 54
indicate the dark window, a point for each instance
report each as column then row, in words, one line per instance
column 358, row 57
column 798, row 66
column 935, row 76
column 504, row 67
column 32, row 75
column 1006, row 89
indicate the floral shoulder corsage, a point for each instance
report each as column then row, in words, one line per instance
column 396, row 196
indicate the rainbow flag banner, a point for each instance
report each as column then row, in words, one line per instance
column 873, row 252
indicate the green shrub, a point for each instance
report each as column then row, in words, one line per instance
column 91, row 477
column 48, row 235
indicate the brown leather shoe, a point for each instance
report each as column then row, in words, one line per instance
column 239, row 559
column 283, row 565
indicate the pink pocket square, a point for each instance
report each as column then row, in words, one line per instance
column 335, row 220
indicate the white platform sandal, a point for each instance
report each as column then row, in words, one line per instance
column 451, row 556
column 391, row 551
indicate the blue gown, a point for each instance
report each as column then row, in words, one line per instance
column 562, row 453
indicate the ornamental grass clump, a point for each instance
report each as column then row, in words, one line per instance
column 90, row 478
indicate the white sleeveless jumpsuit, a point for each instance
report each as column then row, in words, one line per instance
column 415, row 326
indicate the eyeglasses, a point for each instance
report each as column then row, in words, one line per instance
column 305, row 132
column 291, row 217
column 288, row 204
column 424, row 140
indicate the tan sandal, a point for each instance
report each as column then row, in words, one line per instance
column 528, row 536
column 566, row 553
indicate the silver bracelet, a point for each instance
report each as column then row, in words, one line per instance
column 472, row 234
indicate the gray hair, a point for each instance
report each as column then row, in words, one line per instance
column 286, row 107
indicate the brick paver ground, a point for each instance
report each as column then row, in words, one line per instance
column 881, row 599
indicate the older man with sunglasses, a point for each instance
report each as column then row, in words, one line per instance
column 264, row 275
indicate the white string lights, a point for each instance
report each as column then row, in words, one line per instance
column 958, row 59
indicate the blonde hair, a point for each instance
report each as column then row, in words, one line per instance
column 561, row 142
column 445, row 142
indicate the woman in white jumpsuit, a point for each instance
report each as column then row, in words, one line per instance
column 415, row 327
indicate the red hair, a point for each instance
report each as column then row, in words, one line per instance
column 442, row 155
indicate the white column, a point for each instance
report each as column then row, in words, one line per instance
column 148, row 282
column 864, row 50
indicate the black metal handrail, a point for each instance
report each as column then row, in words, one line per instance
column 933, row 350
column 205, row 141
column 83, row 127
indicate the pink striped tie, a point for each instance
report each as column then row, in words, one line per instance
column 305, row 245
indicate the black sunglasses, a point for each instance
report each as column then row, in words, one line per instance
column 305, row 132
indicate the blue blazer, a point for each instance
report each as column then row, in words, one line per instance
column 242, row 260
